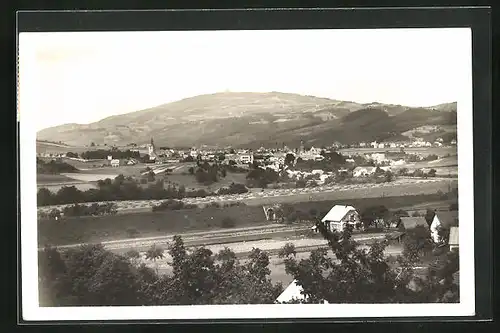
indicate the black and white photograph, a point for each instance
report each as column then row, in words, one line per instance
column 314, row 173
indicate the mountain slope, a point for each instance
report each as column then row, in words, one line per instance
column 250, row 119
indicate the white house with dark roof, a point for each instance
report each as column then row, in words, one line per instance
column 339, row 216
column 443, row 220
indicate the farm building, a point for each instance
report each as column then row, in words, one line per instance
column 115, row 163
column 453, row 241
column 339, row 216
column 363, row 171
column 411, row 222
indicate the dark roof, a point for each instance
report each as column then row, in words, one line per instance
column 453, row 240
column 448, row 218
column 410, row 222
column 395, row 235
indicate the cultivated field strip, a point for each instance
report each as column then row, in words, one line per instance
column 397, row 188
column 205, row 238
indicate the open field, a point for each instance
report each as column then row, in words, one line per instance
column 87, row 177
column 443, row 166
column 54, row 148
column 103, row 228
column 42, row 179
column 189, row 181
column 440, row 151
column 160, row 224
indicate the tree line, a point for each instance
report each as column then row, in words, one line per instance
column 119, row 189
column 53, row 167
column 102, row 154
column 126, row 188
column 342, row 272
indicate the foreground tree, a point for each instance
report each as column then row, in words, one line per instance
column 345, row 272
column 154, row 253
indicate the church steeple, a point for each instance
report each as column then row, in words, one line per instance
column 152, row 143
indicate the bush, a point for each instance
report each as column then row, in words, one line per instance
column 301, row 183
column 172, row 204
column 132, row 232
column 235, row 204
column 233, row 189
column 133, row 254
column 228, row 222
column 214, row 204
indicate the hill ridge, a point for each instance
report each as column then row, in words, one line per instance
column 245, row 118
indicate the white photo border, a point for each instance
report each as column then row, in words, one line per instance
column 31, row 311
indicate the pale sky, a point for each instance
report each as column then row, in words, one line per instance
column 82, row 77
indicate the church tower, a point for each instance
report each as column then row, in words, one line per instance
column 151, row 148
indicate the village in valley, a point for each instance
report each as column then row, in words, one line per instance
column 133, row 199
column 226, row 167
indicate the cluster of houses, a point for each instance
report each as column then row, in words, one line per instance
column 270, row 158
column 340, row 216
column 414, row 143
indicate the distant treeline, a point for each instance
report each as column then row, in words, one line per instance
column 120, row 189
column 53, row 167
column 94, row 209
column 102, row 154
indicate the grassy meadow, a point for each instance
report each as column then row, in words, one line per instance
column 149, row 224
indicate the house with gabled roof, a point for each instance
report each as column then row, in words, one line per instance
column 339, row 216
column 443, row 220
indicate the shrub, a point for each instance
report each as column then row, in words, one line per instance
column 54, row 214
column 228, row 222
column 442, row 195
column 235, row 204
column 301, row 183
column 132, row 232
column 214, row 204
column 170, row 204
column 233, row 189
column 287, row 250
column 133, row 254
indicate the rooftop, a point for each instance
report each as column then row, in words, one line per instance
column 337, row 213
column 448, row 218
column 410, row 222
